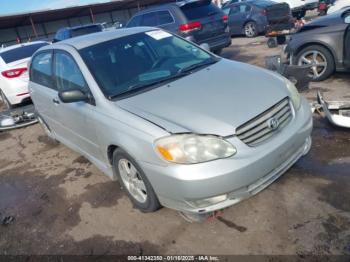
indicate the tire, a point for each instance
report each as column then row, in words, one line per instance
column 123, row 162
column 5, row 101
column 299, row 14
column 319, row 58
column 251, row 29
column 272, row 42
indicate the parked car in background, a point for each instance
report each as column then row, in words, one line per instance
column 338, row 5
column 198, row 21
column 13, row 72
column 178, row 126
column 311, row 4
column 254, row 17
column 298, row 7
column 324, row 44
column 69, row 32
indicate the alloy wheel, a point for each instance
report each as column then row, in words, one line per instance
column 250, row 30
column 316, row 60
column 132, row 180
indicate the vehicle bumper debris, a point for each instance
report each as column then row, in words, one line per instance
column 299, row 75
column 337, row 112
column 17, row 118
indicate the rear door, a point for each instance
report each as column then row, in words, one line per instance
column 41, row 87
column 209, row 16
column 239, row 14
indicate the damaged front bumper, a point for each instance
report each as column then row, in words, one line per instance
column 337, row 112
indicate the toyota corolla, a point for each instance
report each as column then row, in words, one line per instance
column 176, row 125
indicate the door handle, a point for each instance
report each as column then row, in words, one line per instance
column 55, row 101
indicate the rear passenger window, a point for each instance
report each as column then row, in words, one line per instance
column 164, row 17
column 149, row 19
column 41, row 70
column 67, row 74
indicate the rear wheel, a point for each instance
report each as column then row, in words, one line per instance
column 134, row 182
column 251, row 29
column 319, row 59
column 4, row 101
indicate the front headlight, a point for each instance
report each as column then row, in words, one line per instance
column 294, row 94
column 192, row 148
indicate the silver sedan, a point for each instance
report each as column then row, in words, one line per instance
column 176, row 125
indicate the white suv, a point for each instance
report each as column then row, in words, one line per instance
column 13, row 72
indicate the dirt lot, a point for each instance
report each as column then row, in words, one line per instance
column 64, row 205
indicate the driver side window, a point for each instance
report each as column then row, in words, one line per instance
column 67, row 74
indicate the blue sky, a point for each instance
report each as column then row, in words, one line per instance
column 22, row 6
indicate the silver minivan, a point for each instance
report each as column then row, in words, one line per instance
column 176, row 125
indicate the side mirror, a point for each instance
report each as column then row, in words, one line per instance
column 205, row 46
column 73, row 96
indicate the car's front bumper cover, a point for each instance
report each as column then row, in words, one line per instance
column 248, row 172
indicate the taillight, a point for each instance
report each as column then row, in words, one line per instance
column 190, row 26
column 224, row 18
column 12, row 73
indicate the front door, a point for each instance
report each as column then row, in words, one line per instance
column 74, row 121
column 347, row 47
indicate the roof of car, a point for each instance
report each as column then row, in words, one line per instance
column 79, row 27
column 84, row 41
column 4, row 49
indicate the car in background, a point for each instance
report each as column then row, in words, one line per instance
column 254, row 17
column 199, row 21
column 13, row 72
column 176, row 125
column 298, row 7
column 69, row 32
column 323, row 44
column 338, row 5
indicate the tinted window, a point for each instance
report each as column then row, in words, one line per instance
column 86, row 30
column 135, row 21
column 126, row 65
column 263, row 3
column 67, row 73
column 164, row 17
column 41, row 69
column 199, row 9
column 20, row 52
column 149, row 19
column 244, row 8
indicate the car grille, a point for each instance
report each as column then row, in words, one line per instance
column 265, row 125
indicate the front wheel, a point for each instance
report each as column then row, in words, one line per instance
column 319, row 59
column 251, row 29
column 134, row 182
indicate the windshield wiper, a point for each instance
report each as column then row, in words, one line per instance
column 136, row 87
column 197, row 66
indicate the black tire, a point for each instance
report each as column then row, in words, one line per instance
column 5, row 101
column 299, row 14
column 152, row 203
column 251, row 29
column 329, row 59
column 272, row 42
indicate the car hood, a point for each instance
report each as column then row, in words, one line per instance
column 214, row 100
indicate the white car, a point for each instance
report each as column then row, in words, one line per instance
column 13, row 72
column 338, row 5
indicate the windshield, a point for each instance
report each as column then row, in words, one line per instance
column 131, row 64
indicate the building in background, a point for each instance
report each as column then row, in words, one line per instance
column 42, row 25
